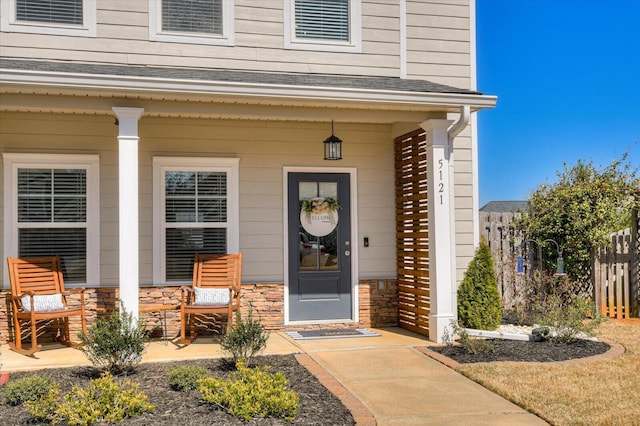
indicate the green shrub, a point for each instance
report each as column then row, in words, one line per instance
column 246, row 338
column 44, row 408
column 479, row 303
column 563, row 321
column 472, row 344
column 103, row 401
column 29, row 388
column 186, row 377
column 115, row 344
column 250, row 393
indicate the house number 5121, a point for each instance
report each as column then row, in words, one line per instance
column 440, row 179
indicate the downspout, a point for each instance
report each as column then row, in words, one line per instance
column 453, row 131
column 458, row 126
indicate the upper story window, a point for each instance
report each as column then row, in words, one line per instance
column 328, row 25
column 57, row 17
column 192, row 21
column 195, row 211
column 53, row 209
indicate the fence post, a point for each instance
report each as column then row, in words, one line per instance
column 634, row 282
column 597, row 282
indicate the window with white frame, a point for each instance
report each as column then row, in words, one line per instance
column 192, row 21
column 58, row 17
column 329, row 25
column 195, row 211
column 53, row 209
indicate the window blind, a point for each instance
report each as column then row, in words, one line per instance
column 47, row 196
column 182, row 244
column 322, row 19
column 193, row 197
column 68, row 243
column 192, row 16
column 52, row 195
column 50, row 11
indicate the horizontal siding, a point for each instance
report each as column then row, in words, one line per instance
column 123, row 38
column 437, row 42
column 263, row 148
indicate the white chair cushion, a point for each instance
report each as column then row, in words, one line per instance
column 43, row 303
column 212, row 296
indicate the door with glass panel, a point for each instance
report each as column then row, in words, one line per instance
column 319, row 247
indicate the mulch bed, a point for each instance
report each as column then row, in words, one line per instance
column 523, row 351
column 318, row 406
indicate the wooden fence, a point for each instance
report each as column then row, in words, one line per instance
column 505, row 245
column 616, row 274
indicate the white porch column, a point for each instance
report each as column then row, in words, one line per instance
column 128, row 206
column 441, row 224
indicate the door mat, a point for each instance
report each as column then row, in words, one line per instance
column 334, row 333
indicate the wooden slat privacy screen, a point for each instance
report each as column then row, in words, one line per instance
column 412, row 237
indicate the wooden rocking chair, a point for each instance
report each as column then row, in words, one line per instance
column 38, row 294
column 215, row 290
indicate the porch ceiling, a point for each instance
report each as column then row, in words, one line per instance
column 94, row 89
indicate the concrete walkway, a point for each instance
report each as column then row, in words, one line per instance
column 383, row 380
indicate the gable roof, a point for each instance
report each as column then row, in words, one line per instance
column 504, row 206
column 235, row 76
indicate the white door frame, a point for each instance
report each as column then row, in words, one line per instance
column 353, row 179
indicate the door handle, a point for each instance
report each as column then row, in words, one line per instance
column 347, row 253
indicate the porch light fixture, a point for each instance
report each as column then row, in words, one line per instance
column 332, row 146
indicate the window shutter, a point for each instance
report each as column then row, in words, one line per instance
column 322, row 19
column 50, row 11
column 192, row 16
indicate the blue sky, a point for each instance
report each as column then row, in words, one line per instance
column 567, row 77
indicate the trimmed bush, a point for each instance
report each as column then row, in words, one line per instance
column 103, row 401
column 29, row 388
column 115, row 344
column 44, row 408
column 246, row 339
column 186, row 377
column 252, row 393
column 479, row 303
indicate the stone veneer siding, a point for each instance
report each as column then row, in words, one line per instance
column 378, row 308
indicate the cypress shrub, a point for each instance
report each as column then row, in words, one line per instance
column 479, row 303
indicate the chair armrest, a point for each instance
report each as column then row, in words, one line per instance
column 21, row 295
column 185, row 295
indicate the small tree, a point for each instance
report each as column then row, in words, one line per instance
column 580, row 211
column 479, row 303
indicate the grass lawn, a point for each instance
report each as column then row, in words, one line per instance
column 589, row 393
